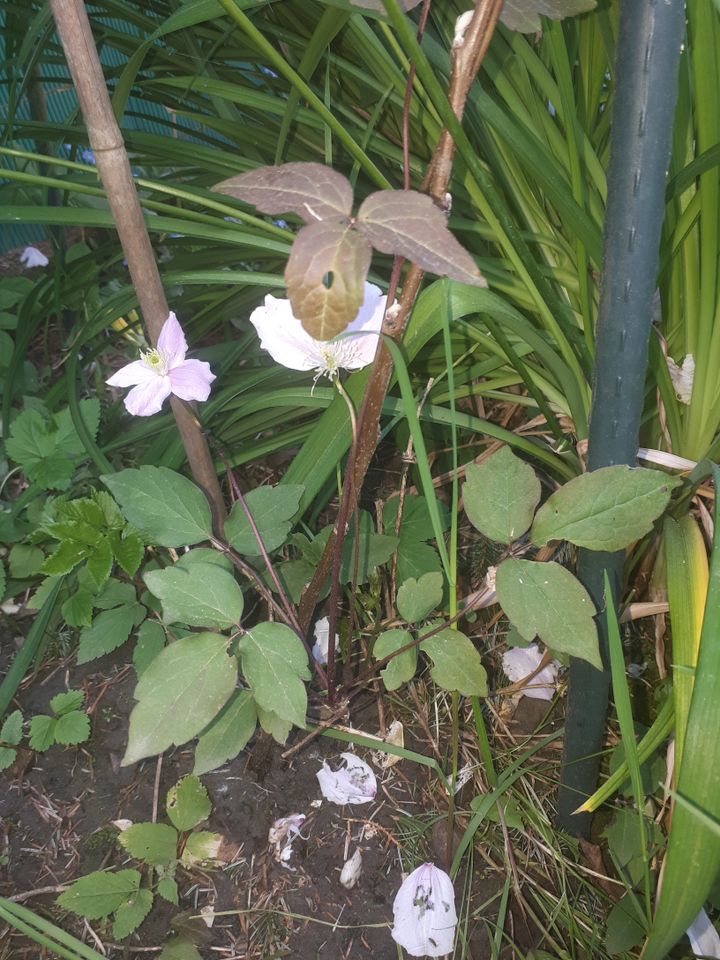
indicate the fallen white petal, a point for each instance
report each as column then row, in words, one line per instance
column 121, row 824
column 350, row 873
column 353, row 783
column 424, row 913
column 32, row 257
column 322, row 640
column 395, row 736
column 208, row 915
column 682, row 377
column 520, row 662
column 282, row 833
column 703, row 937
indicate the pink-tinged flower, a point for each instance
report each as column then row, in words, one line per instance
column 163, row 371
column 284, row 338
column 353, row 783
column 424, row 913
column 32, row 257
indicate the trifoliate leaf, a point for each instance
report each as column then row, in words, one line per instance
column 401, row 668
column 500, row 496
column 456, row 663
column 188, row 803
column 228, row 734
column 417, row 598
column 72, row 728
column 130, row 915
column 180, row 692
column 275, row 663
column 203, row 596
column 272, row 509
column 155, row 843
column 99, row 894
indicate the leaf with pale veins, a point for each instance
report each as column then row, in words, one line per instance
column 524, row 15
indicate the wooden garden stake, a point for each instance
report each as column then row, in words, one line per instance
column 113, row 166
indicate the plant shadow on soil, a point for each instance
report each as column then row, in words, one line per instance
column 56, row 810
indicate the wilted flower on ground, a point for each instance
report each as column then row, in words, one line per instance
column 520, row 662
column 322, row 640
column 424, row 913
column 352, row 868
column 282, row 833
column 32, row 257
column 353, row 783
column 162, row 371
column 284, row 338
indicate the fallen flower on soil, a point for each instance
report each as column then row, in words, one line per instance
column 163, row 371
column 32, row 257
column 424, row 913
column 520, row 662
column 284, row 338
column 282, row 833
column 350, row 873
column 322, row 640
column 353, row 783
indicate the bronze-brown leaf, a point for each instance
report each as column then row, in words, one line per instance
column 408, row 224
column 325, row 277
column 311, row 190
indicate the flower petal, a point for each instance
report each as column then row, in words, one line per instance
column 136, row 372
column 703, row 937
column 171, row 342
column 191, row 380
column 322, row 638
column 520, row 662
column 282, row 335
column 353, row 783
column 424, row 913
column 148, row 398
column 32, row 257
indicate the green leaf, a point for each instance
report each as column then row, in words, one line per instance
column 72, row 728
column 99, row 563
column 66, row 702
column 623, row 929
column 7, row 757
column 11, row 730
column 128, row 549
column 155, row 843
column 130, row 915
column 67, row 556
column 179, row 948
column 25, row 561
column 272, row 510
column 415, row 559
column 401, row 668
column 607, row 509
column 3, row 579
column 164, row 505
column 204, row 555
column 201, row 847
column 203, row 596
column 108, row 631
column 274, row 725
column 546, row 600
column 228, row 733
column 46, row 449
column 168, row 890
column 625, row 842
column 42, row 732
column 416, row 524
column 456, row 663
column 99, row 894
column 275, row 663
column 417, row 598
column 77, row 609
column 500, row 496
column 179, row 693
column 524, row 15
column 115, row 593
column 150, row 642
column 188, row 803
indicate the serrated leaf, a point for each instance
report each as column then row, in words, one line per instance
column 311, row 190
column 274, row 725
column 99, row 894
column 7, row 757
column 67, row 556
column 108, row 631
column 45, row 448
column 99, row 563
column 77, row 609
column 128, row 550
column 130, row 915
column 401, row 668
column 607, row 509
column 272, row 510
column 188, row 803
column 228, row 734
column 334, row 253
column 150, row 642
column 72, row 728
column 42, row 732
column 166, row 506
column 25, row 561
column 546, row 600
column 68, row 439
column 155, row 843
column 115, row 593
column 201, row 847
column 524, row 15
column 180, row 693
column 500, row 496
column 456, row 664
column 11, row 730
column 66, row 702
column 168, row 890
column 274, row 663
column 408, row 224
column 417, row 598
column 179, row 948
column 203, row 596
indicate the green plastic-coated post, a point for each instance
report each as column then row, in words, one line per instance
column 646, row 79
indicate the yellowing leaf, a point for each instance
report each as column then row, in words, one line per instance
column 524, row 15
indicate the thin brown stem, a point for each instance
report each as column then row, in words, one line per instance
column 113, row 166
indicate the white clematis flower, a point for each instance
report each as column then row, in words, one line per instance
column 424, row 913
column 520, row 662
column 353, row 783
column 32, row 257
column 284, row 338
